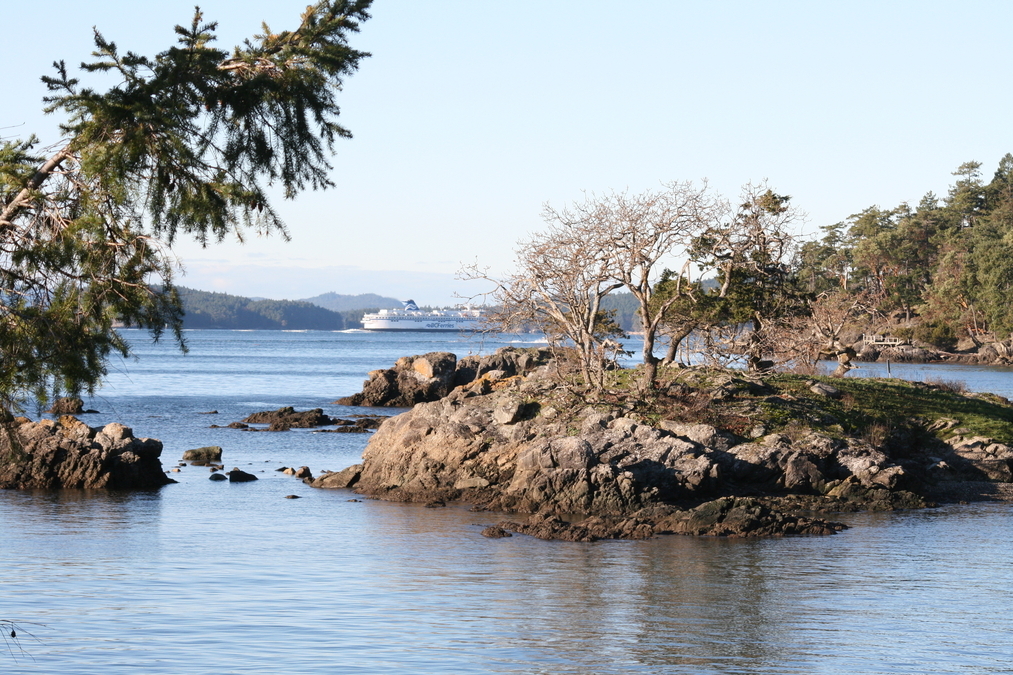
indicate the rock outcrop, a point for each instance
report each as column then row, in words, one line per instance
column 430, row 377
column 501, row 454
column 967, row 352
column 571, row 471
column 67, row 453
column 69, row 405
column 288, row 417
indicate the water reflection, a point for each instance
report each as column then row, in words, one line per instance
column 72, row 512
column 202, row 577
column 402, row 588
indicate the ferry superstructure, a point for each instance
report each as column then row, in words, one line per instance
column 412, row 318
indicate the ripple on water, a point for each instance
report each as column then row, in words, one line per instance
column 201, row 577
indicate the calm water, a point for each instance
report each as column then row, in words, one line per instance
column 204, row 577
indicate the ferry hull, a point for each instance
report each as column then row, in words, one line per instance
column 419, row 325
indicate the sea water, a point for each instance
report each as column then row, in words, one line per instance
column 206, row 577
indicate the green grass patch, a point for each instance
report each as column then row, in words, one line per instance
column 866, row 402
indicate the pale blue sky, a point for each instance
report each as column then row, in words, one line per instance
column 471, row 114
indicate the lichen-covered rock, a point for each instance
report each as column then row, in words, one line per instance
column 66, row 453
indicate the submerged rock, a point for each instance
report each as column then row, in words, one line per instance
column 743, row 517
column 495, row 532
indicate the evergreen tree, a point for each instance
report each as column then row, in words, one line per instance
column 187, row 141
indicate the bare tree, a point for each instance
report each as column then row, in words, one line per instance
column 807, row 338
column 557, row 288
column 627, row 237
column 638, row 233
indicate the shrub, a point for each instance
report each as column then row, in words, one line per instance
column 937, row 334
column 954, row 386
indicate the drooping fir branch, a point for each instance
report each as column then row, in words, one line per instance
column 187, row 142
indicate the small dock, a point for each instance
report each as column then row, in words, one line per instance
column 883, row 340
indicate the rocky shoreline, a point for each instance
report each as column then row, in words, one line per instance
column 989, row 354
column 716, row 453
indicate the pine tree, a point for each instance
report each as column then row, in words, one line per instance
column 186, row 142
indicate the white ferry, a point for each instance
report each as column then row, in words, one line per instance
column 412, row 318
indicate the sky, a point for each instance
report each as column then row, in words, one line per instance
column 472, row 114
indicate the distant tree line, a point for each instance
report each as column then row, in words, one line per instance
column 623, row 307
column 941, row 270
column 203, row 309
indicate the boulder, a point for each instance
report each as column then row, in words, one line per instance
column 824, row 389
column 435, row 365
column 67, row 406
column 338, row 479
column 412, row 380
column 66, row 453
column 239, row 476
column 210, row 453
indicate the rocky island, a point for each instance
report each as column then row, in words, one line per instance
column 710, row 452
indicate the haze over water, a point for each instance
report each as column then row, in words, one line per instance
column 205, row 577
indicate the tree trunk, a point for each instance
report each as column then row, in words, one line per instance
column 844, row 356
column 673, row 350
column 650, row 360
column 675, row 341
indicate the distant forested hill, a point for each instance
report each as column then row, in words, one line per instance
column 220, row 310
column 625, row 306
column 342, row 303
